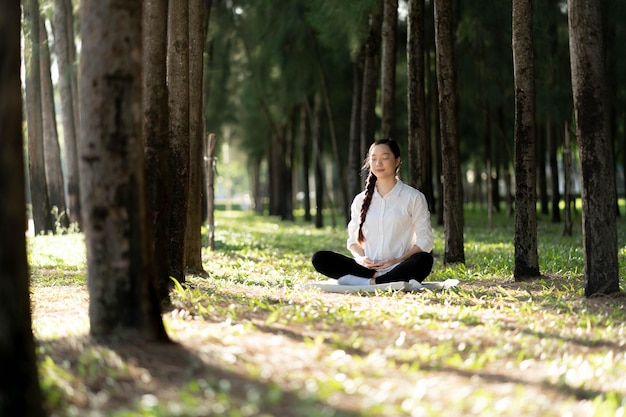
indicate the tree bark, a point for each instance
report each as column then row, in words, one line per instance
column 355, row 158
column 120, row 265
column 156, row 137
column 210, row 166
column 419, row 139
column 451, row 168
column 42, row 212
column 553, row 145
column 370, row 80
column 52, row 152
column 20, row 394
column 178, row 98
column 64, row 49
column 594, row 138
column 525, row 235
column 388, row 68
column 305, row 146
column 198, row 13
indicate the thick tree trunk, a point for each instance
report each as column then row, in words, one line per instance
column 68, row 90
column 20, row 394
column 594, row 138
column 197, row 35
column 120, row 265
column 419, row 139
column 42, row 212
column 525, row 235
column 388, row 68
column 451, row 168
column 52, row 153
column 156, row 137
column 178, row 99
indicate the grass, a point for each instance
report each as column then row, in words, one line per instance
column 250, row 344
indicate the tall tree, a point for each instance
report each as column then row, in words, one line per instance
column 586, row 40
column 451, row 168
column 156, row 136
column 65, row 50
column 52, row 152
column 20, row 394
column 120, row 265
column 388, row 68
column 418, row 137
column 178, row 99
column 198, row 20
column 370, row 78
column 525, row 235
column 42, row 214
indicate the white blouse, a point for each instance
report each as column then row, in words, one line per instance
column 393, row 225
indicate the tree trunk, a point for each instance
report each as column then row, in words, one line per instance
column 178, row 99
column 451, row 168
column 305, row 145
column 419, row 139
column 20, row 394
column 554, row 173
column 210, row 166
column 567, row 174
column 388, row 68
column 316, row 133
column 370, row 79
column 65, row 52
column 355, row 158
column 52, row 153
column 120, row 265
column 156, row 137
column 594, row 138
column 525, row 235
column 42, row 212
column 542, row 181
column 197, row 34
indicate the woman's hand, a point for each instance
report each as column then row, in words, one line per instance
column 367, row 262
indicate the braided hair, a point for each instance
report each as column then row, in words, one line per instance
column 370, row 182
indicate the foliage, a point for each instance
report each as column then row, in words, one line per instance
column 251, row 343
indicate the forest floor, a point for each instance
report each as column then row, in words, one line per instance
column 247, row 342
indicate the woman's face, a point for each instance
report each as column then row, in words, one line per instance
column 382, row 161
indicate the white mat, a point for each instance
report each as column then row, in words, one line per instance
column 411, row 286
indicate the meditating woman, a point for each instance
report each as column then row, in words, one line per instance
column 389, row 233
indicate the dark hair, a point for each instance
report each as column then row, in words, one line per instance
column 370, row 182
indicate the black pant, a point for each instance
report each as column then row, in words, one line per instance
column 336, row 265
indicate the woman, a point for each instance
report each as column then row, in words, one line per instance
column 389, row 233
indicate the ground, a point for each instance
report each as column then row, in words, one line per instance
column 309, row 357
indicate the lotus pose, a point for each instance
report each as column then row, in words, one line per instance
column 389, row 233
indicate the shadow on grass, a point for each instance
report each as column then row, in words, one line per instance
column 116, row 377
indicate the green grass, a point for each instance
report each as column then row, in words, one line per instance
column 254, row 345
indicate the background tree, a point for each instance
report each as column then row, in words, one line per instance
column 178, row 99
column 388, row 68
column 65, row 51
column 42, row 214
column 20, row 394
column 451, row 170
column 419, row 149
column 198, row 20
column 120, row 265
column 156, row 137
column 594, row 138
column 52, row 152
column 525, row 239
